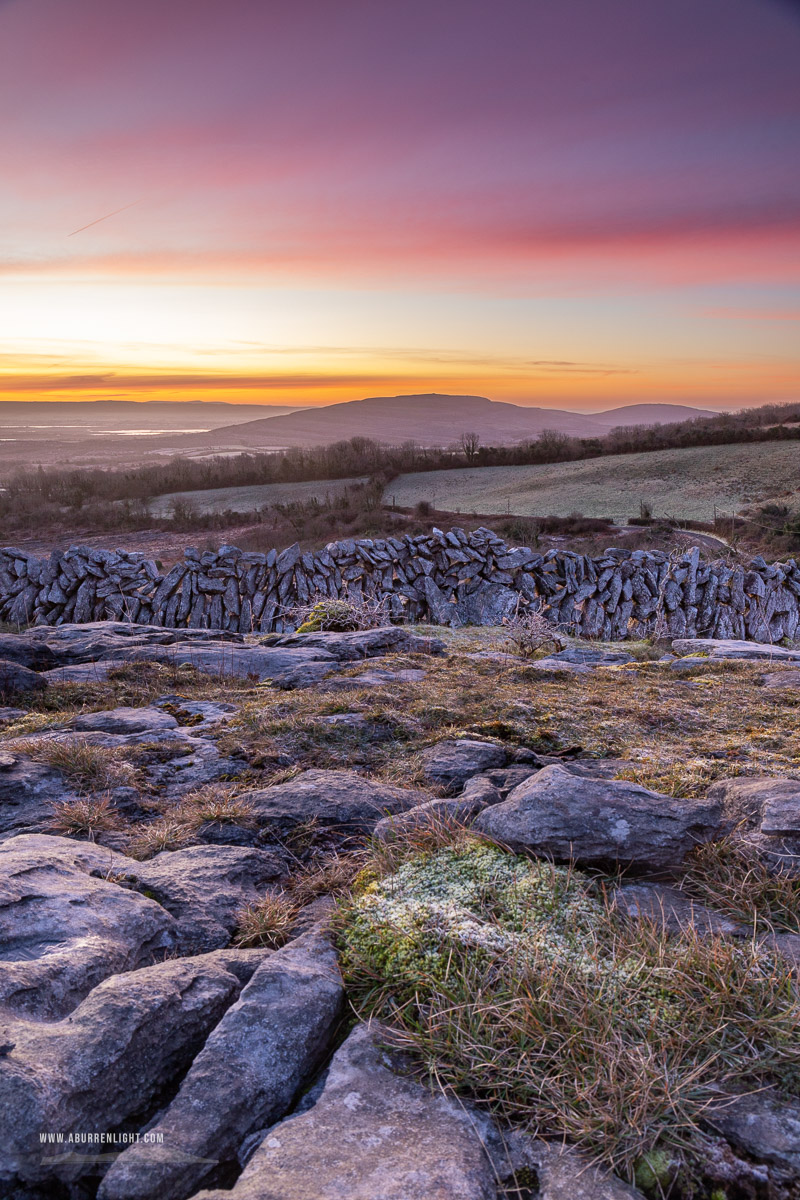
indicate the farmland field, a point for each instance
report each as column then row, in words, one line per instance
column 686, row 484
column 247, row 499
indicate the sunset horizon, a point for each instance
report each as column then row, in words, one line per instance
column 575, row 208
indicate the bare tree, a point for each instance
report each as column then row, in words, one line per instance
column 470, row 444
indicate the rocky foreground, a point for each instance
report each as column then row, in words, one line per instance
column 236, row 876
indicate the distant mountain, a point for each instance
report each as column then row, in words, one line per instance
column 434, row 420
column 649, row 414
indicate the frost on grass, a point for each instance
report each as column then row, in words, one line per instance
column 516, row 983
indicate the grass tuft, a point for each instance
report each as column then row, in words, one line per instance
column 516, row 983
column 268, row 922
column 86, row 766
column 85, row 817
column 729, row 875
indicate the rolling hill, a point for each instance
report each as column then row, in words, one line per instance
column 687, row 484
column 435, row 420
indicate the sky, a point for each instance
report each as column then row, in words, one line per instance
column 568, row 203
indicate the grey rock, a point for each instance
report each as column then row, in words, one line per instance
column 124, row 720
column 763, row 1126
column 9, row 714
column 592, row 656
column 362, row 643
column 19, row 648
column 105, row 1062
column 441, row 610
column 16, row 680
column 246, row 1077
column 333, row 798
column 592, row 821
column 372, row 1134
column 565, row 1174
column 28, row 791
column 489, row 604
column 377, row 677
column 65, row 924
column 204, row 886
column 199, row 716
column 552, row 663
column 673, row 910
column 722, row 648
column 284, row 668
column 91, row 672
column 786, row 678
column 765, row 812
column 459, row 810
column 451, row 763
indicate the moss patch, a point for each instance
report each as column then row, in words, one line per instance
column 516, row 983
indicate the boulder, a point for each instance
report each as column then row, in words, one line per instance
column 28, row 791
column 19, row 648
column 371, row 1134
column 450, row 764
column 550, row 663
column 245, row 1078
column 598, row 822
column 95, row 641
column 16, row 680
column 203, row 888
column 104, row 1063
column 333, row 798
column 361, row 643
column 765, row 812
column 283, row 668
column 65, row 924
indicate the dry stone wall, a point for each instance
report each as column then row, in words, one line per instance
column 451, row 578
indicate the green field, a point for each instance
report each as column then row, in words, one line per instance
column 687, row 484
column 247, row 499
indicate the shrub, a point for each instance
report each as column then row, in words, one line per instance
column 530, row 632
column 340, row 616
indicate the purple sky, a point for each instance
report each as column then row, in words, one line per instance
column 443, row 193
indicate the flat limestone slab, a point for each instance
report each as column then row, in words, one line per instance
column 721, row 648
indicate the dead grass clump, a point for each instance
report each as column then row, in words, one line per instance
column 214, row 803
column 88, row 767
column 731, row 877
column 515, row 983
column 267, row 922
column 165, row 833
column 331, row 877
column 85, row 817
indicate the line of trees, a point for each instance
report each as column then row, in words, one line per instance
column 36, row 494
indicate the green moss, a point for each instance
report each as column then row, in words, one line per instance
column 655, row 1171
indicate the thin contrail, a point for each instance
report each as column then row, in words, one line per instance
column 105, row 218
